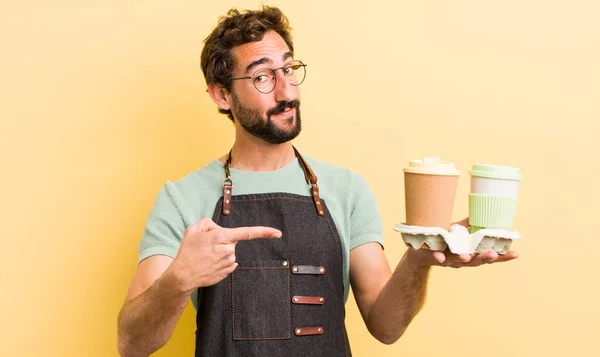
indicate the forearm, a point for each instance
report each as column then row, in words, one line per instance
column 147, row 322
column 398, row 302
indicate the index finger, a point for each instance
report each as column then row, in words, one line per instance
column 247, row 233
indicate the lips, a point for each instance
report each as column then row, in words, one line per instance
column 284, row 108
column 286, row 111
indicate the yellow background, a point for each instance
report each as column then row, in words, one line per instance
column 101, row 102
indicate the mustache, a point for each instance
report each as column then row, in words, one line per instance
column 281, row 106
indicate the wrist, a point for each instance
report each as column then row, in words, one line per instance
column 174, row 279
column 415, row 261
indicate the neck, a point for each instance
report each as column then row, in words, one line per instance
column 253, row 154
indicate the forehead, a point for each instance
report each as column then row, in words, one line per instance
column 272, row 47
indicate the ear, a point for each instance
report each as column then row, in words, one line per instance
column 220, row 96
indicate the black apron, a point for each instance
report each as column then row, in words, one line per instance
column 286, row 297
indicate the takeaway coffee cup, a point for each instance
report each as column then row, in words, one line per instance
column 493, row 197
column 430, row 189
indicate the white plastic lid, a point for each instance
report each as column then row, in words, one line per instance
column 432, row 166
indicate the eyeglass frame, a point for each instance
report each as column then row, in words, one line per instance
column 274, row 70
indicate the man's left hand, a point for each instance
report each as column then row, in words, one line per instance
column 425, row 257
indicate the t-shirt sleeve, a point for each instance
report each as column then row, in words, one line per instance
column 365, row 220
column 164, row 228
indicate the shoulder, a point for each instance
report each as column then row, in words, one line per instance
column 328, row 173
column 351, row 202
column 207, row 176
column 195, row 194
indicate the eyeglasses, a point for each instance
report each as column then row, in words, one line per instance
column 265, row 79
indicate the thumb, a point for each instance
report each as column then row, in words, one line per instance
column 464, row 222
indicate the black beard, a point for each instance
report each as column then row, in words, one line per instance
column 265, row 129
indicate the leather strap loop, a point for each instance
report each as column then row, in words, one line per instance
column 307, row 331
column 308, row 270
column 308, row 300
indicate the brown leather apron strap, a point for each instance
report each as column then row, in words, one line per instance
column 309, row 175
column 311, row 179
column 227, row 187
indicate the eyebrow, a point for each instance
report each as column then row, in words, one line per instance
column 265, row 60
column 256, row 63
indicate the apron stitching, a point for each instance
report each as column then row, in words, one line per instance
column 232, row 306
column 221, row 210
column 338, row 244
column 271, row 198
column 335, row 236
column 233, row 309
column 289, row 306
column 259, row 268
column 261, row 339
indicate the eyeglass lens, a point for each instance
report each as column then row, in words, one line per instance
column 264, row 79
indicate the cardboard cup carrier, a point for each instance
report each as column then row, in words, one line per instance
column 430, row 189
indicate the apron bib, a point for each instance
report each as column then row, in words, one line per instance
column 286, row 297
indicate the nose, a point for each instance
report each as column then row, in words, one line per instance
column 284, row 91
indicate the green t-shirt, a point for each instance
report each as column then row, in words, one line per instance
column 184, row 202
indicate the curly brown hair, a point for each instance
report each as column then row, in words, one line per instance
column 234, row 29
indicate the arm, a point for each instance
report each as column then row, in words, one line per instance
column 152, row 309
column 162, row 286
column 387, row 302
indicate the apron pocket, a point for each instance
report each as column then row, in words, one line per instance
column 260, row 301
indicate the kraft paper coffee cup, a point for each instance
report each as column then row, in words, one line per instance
column 430, row 189
column 494, row 195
